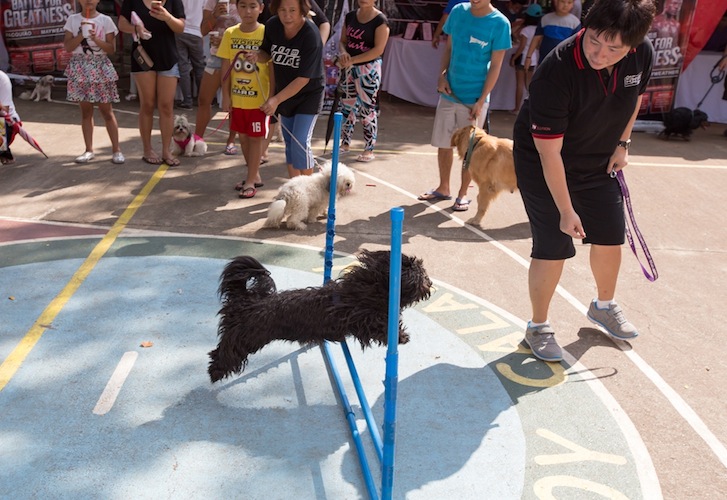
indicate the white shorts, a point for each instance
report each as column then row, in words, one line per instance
column 449, row 117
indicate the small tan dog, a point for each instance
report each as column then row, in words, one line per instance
column 41, row 91
column 491, row 165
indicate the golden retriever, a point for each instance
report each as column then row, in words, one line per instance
column 491, row 165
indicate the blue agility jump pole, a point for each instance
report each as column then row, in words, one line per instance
column 391, row 381
column 385, row 451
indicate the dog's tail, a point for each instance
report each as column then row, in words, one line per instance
column 276, row 210
column 243, row 282
column 244, row 277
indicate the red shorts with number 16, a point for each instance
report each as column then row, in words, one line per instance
column 251, row 122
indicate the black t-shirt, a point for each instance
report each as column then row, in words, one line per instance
column 162, row 46
column 301, row 56
column 361, row 37
column 589, row 109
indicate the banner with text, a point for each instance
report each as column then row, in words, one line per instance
column 33, row 33
column 670, row 35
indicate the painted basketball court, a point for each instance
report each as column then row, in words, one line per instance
column 99, row 260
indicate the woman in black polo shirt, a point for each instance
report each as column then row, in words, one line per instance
column 571, row 133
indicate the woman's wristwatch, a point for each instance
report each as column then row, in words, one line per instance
column 624, row 144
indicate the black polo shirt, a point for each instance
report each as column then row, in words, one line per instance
column 589, row 109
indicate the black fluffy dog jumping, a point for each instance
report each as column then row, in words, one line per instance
column 681, row 122
column 254, row 314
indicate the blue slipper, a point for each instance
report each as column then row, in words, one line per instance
column 461, row 205
column 433, row 195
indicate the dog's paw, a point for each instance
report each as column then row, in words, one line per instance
column 403, row 337
column 474, row 221
column 297, row 225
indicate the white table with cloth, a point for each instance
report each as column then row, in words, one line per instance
column 694, row 83
column 411, row 68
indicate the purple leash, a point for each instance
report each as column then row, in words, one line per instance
column 627, row 201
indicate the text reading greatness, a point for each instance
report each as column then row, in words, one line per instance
column 32, row 13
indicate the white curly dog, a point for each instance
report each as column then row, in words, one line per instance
column 302, row 199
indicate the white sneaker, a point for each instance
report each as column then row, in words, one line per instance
column 118, row 158
column 131, row 97
column 85, row 157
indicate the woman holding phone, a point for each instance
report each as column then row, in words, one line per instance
column 156, row 85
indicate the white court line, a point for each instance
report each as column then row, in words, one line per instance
column 677, row 402
column 111, row 392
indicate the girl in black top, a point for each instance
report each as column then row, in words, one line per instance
column 158, row 85
column 293, row 44
column 363, row 40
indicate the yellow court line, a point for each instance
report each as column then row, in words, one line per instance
column 12, row 363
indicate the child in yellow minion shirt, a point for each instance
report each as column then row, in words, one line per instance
column 245, row 87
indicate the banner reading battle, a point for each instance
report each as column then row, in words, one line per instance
column 670, row 36
column 33, row 32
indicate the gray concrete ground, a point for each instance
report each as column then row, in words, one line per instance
column 479, row 418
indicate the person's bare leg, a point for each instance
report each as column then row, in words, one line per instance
column 267, row 140
column 294, row 172
column 519, row 89
column 254, row 151
column 87, row 124
column 445, row 158
column 466, row 179
column 231, row 139
column 207, row 91
column 605, row 264
column 146, row 88
column 112, row 126
column 166, row 89
column 543, row 277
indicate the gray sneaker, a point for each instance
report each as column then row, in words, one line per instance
column 613, row 321
column 541, row 340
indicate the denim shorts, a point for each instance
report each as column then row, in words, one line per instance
column 213, row 64
column 173, row 71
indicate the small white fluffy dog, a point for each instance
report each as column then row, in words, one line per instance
column 185, row 141
column 302, row 199
column 41, row 91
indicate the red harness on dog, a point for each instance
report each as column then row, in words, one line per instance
column 183, row 144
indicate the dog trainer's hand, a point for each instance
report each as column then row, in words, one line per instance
column 344, row 60
column 443, row 85
column 270, row 106
column 252, row 56
column 570, row 224
column 476, row 110
column 619, row 159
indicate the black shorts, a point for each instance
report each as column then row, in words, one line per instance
column 600, row 209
